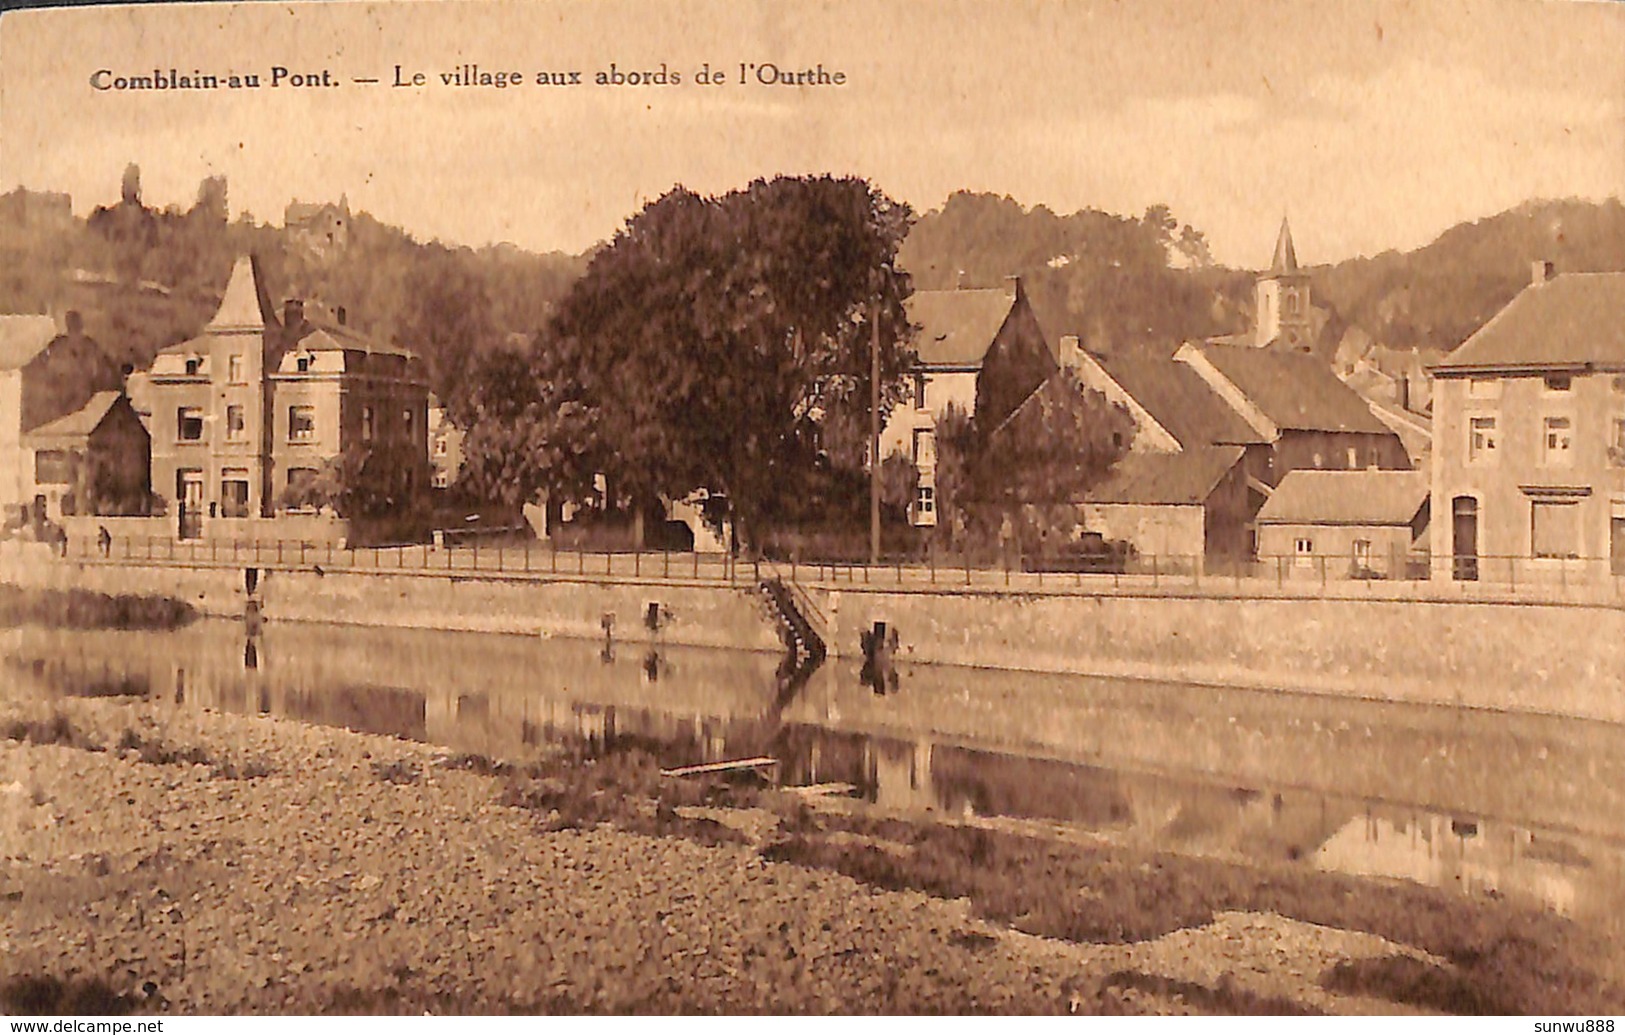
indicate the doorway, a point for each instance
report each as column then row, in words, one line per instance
column 189, row 491
column 1464, row 536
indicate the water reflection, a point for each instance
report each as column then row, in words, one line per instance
column 1528, row 807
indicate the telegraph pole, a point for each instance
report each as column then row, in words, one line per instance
column 874, row 432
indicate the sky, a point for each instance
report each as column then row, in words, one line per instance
column 1373, row 125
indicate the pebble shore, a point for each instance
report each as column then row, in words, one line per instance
column 303, row 869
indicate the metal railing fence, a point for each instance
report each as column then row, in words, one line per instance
column 1580, row 579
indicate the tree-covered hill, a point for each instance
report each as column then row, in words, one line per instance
column 1437, row 295
column 1124, row 282
column 145, row 278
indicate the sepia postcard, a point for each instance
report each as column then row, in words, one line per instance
column 737, row 507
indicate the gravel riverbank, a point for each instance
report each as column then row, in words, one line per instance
column 209, row 863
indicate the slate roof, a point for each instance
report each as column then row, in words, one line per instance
column 245, row 308
column 1346, row 498
column 1569, row 321
column 1295, row 390
column 76, row 426
column 1286, row 257
column 22, row 338
column 1178, row 399
column 956, row 327
column 1188, row 477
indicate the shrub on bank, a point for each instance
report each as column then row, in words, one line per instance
column 84, row 609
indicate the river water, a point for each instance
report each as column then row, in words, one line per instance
column 1529, row 807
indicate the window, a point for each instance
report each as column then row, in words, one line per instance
column 925, row 500
column 53, row 467
column 300, row 477
column 440, row 446
column 1616, row 442
column 366, row 423
column 442, row 479
column 1555, row 448
column 236, row 426
column 1362, row 552
column 302, row 364
column 919, row 392
column 1480, row 438
column 301, row 423
column 1303, row 546
column 234, row 493
column 1554, row 528
column 234, row 369
column 1354, row 458
column 1559, row 382
column 1484, row 387
column 193, row 366
column 1303, row 552
column 189, row 424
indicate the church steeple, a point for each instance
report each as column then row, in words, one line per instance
column 1282, row 311
column 1286, row 257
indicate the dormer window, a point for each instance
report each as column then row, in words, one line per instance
column 302, row 364
column 193, row 365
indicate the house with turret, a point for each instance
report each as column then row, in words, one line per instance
column 249, row 414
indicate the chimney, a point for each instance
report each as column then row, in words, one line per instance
column 1541, row 270
column 293, row 314
column 1071, row 353
column 75, row 323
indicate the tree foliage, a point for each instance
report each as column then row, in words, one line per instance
column 720, row 342
column 1027, row 475
column 360, row 482
column 529, row 430
column 1114, row 281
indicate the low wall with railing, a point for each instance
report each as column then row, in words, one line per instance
column 1552, row 648
column 1564, row 659
column 722, row 607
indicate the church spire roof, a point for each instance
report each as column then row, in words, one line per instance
column 1286, row 257
column 243, row 307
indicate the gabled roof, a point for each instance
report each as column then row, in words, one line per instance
column 1286, row 257
column 1569, row 321
column 1295, row 390
column 1346, row 498
column 23, row 337
column 76, row 426
column 1188, row 477
column 1179, row 400
column 957, row 327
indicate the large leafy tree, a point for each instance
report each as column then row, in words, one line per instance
column 722, row 342
column 530, row 433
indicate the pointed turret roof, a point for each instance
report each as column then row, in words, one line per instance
column 1286, row 257
column 242, row 308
